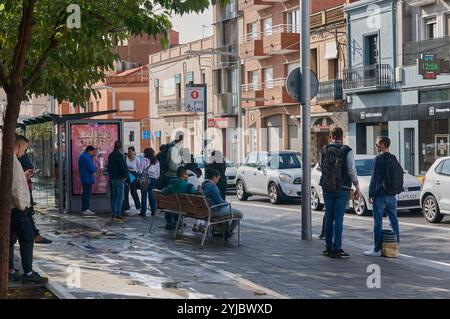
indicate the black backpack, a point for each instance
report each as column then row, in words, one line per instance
column 331, row 166
column 393, row 181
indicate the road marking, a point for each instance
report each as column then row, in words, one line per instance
column 360, row 218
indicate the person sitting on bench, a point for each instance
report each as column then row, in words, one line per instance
column 177, row 186
column 212, row 193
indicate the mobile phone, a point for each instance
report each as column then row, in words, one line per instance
column 35, row 172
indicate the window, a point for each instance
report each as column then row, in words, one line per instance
column 430, row 28
column 91, row 107
column 433, row 96
column 252, row 31
column 252, row 160
column 267, row 27
column 98, row 106
column 268, row 78
column 293, row 21
column 253, row 78
column 314, row 60
column 446, row 168
column 126, row 105
column 333, row 69
column 371, row 50
column 131, row 136
column 157, row 95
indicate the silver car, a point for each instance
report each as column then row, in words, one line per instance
column 435, row 196
column 409, row 199
column 277, row 175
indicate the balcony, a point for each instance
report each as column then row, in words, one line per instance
column 281, row 39
column 252, row 95
column 254, row 4
column 251, row 47
column 413, row 50
column 275, row 93
column 226, row 104
column 369, row 78
column 169, row 107
column 330, row 92
column 420, row 3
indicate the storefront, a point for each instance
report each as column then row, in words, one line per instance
column 419, row 133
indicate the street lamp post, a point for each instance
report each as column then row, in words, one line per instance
column 241, row 149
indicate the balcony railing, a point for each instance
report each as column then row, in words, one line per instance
column 171, row 106
column 270, row 84
column 330, row 91
column 376, row 75
column 281, row 28
column 250, row 37
column 413, row 50
column 251, row 87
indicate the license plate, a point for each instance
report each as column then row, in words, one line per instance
column 407, row 196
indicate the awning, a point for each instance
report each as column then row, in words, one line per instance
column 63, row 118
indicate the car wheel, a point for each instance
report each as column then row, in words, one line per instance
column 241, row 194
column 431, row 210
column 315, row 200
column 274, row 194
column 360, row 206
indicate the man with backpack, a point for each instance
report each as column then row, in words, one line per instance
column 386, row 182
column 337, row 164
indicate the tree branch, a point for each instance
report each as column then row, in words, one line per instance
column 36, row 71
column 23, row 41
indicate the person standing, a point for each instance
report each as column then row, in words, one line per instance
column 27, row 165
column 150, row 165
column 337, row 164
column 118, row 174
column 21, row 228
column 87, row 169
column 133, row 166
column 386, row 174
column 217, row 162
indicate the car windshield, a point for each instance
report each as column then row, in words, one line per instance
column 364, row 167
column 285, row 161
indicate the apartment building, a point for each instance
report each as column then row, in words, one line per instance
column 398, row 78
column 270, row 48
column 170, row 72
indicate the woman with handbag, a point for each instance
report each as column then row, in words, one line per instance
column 131, row 186
column 149, row 168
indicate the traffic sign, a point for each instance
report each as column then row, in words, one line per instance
column 145, row 134
column 195, row 97
column 293, row 86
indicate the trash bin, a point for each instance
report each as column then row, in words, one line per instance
column 389, row 246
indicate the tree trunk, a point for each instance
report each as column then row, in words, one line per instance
column 6, row 174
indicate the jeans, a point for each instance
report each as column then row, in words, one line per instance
column 117, row 196
column 131, row 187
column 22, row 230
column 335, row 204
column 225, row 211
column 148, row 193
column 86, row 197
column 383, row 204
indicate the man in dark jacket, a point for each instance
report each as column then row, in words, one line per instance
column 87, row 170
column 212, row 193
column 217, row 162
column 382, row 201
column 118, row 174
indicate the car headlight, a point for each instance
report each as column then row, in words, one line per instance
column 285, row 178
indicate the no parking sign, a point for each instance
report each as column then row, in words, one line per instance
column 195, row 97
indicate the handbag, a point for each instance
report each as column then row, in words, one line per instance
column 143, row 180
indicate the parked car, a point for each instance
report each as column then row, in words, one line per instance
column 277, row 175
column 435, row 196
column 409, row 199
column 230, row 172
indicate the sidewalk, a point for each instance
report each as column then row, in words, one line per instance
column 123, row 260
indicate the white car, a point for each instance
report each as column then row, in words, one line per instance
column 277, row 175
column 230, row 172
column 409, row 199
column 435, row 196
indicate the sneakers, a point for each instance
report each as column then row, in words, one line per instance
column 87, row 212
column 372, row 253
column 34, row 278
column 42, row 240
column 13, row 276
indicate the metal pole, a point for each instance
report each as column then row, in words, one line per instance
column 240, row 127
column 60, row 171
column 306, row 119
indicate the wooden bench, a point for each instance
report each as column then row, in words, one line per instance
column 193, row 206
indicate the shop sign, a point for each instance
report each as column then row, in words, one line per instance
column 440, row 145
column 221, row 122
column 323, row 125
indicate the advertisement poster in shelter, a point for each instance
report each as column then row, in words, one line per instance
column 100, row 135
